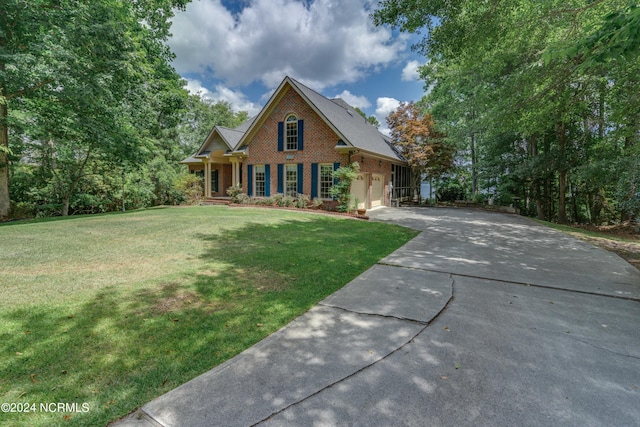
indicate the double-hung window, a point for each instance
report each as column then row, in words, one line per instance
column 326, row 180
column 260, row 181
column 291, row 180
column 291, row 124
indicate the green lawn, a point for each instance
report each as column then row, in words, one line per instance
column 114, row 310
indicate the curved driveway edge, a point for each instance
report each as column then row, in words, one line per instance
column 482, row 319
column 506, row 247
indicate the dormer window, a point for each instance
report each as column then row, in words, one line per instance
column 291, row 124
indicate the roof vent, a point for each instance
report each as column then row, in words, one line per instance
column 350, row 113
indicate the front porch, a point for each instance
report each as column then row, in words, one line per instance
column 217, row 171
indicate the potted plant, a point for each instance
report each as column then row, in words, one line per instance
column 360, row 211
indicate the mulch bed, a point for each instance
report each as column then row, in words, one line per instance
column 305, row 210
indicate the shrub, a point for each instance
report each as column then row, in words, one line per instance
column 190, row 187
column 262, row 201
column 288, row 201
column 241, row 198
column 302, row 201
column 342, row 190
column 281, row 200
column 480, row 198
column 234, row 192
column 277, row 199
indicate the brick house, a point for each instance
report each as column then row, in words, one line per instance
column 294, row 144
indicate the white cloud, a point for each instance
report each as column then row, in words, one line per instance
column 321, row 43
column 410, row 71
column 195, row 87
column 354, row 100
column 384, row 107
column 238, row 101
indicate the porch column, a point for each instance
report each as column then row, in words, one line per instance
column 207, row 179
column 235, row 176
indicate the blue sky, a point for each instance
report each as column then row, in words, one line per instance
column 240, row 50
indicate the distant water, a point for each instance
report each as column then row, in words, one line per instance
column 425, row 188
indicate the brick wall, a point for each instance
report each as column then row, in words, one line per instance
column 319, row 143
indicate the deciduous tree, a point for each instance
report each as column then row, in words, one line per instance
column 426, row 150
column 553, row 84
column 82, row 70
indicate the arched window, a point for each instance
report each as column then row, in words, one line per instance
column 291, row 124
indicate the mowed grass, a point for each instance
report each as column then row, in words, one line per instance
column 113, row 310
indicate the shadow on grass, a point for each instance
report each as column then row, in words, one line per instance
column 121, row 349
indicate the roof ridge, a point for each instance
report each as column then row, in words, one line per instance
column 228, row 128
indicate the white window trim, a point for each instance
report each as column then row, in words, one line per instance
column 294, row 167
column 320, row 165
column 286, row 132
column 255, row 180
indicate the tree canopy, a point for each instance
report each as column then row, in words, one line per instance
column 91, row 110
column 414, row 133
column 542, row 98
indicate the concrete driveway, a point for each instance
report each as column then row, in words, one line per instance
column 484, row 319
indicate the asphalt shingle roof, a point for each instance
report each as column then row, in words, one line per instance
column 345, row 120
column 230, row 136
column 352, row 126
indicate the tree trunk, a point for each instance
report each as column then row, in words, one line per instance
column 416, row 183
column 562, row 174
column 474, row 175
column 5, row 199
column 65, row 204
column 537, row 185
column 539, row 203
column 66, row 195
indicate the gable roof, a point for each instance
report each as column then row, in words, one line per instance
column 229, row 136
column 349, row 125
column 352, row 129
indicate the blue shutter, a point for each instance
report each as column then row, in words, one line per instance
column 300, row 178
column 267, row 180
column 300, row 135
column 280, row 136
column 335, row 180
column 250, row 180
column 314, row 180
column 280, row 178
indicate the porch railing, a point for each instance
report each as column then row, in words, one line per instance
column 403, row 194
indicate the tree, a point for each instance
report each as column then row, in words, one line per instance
column 82, row 70
column 370, row 119
column 425, row 149
column 551, row 83
column 200, row 116
column 341, row 190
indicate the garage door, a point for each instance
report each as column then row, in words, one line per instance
column 377, row 190
column 359, row 188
